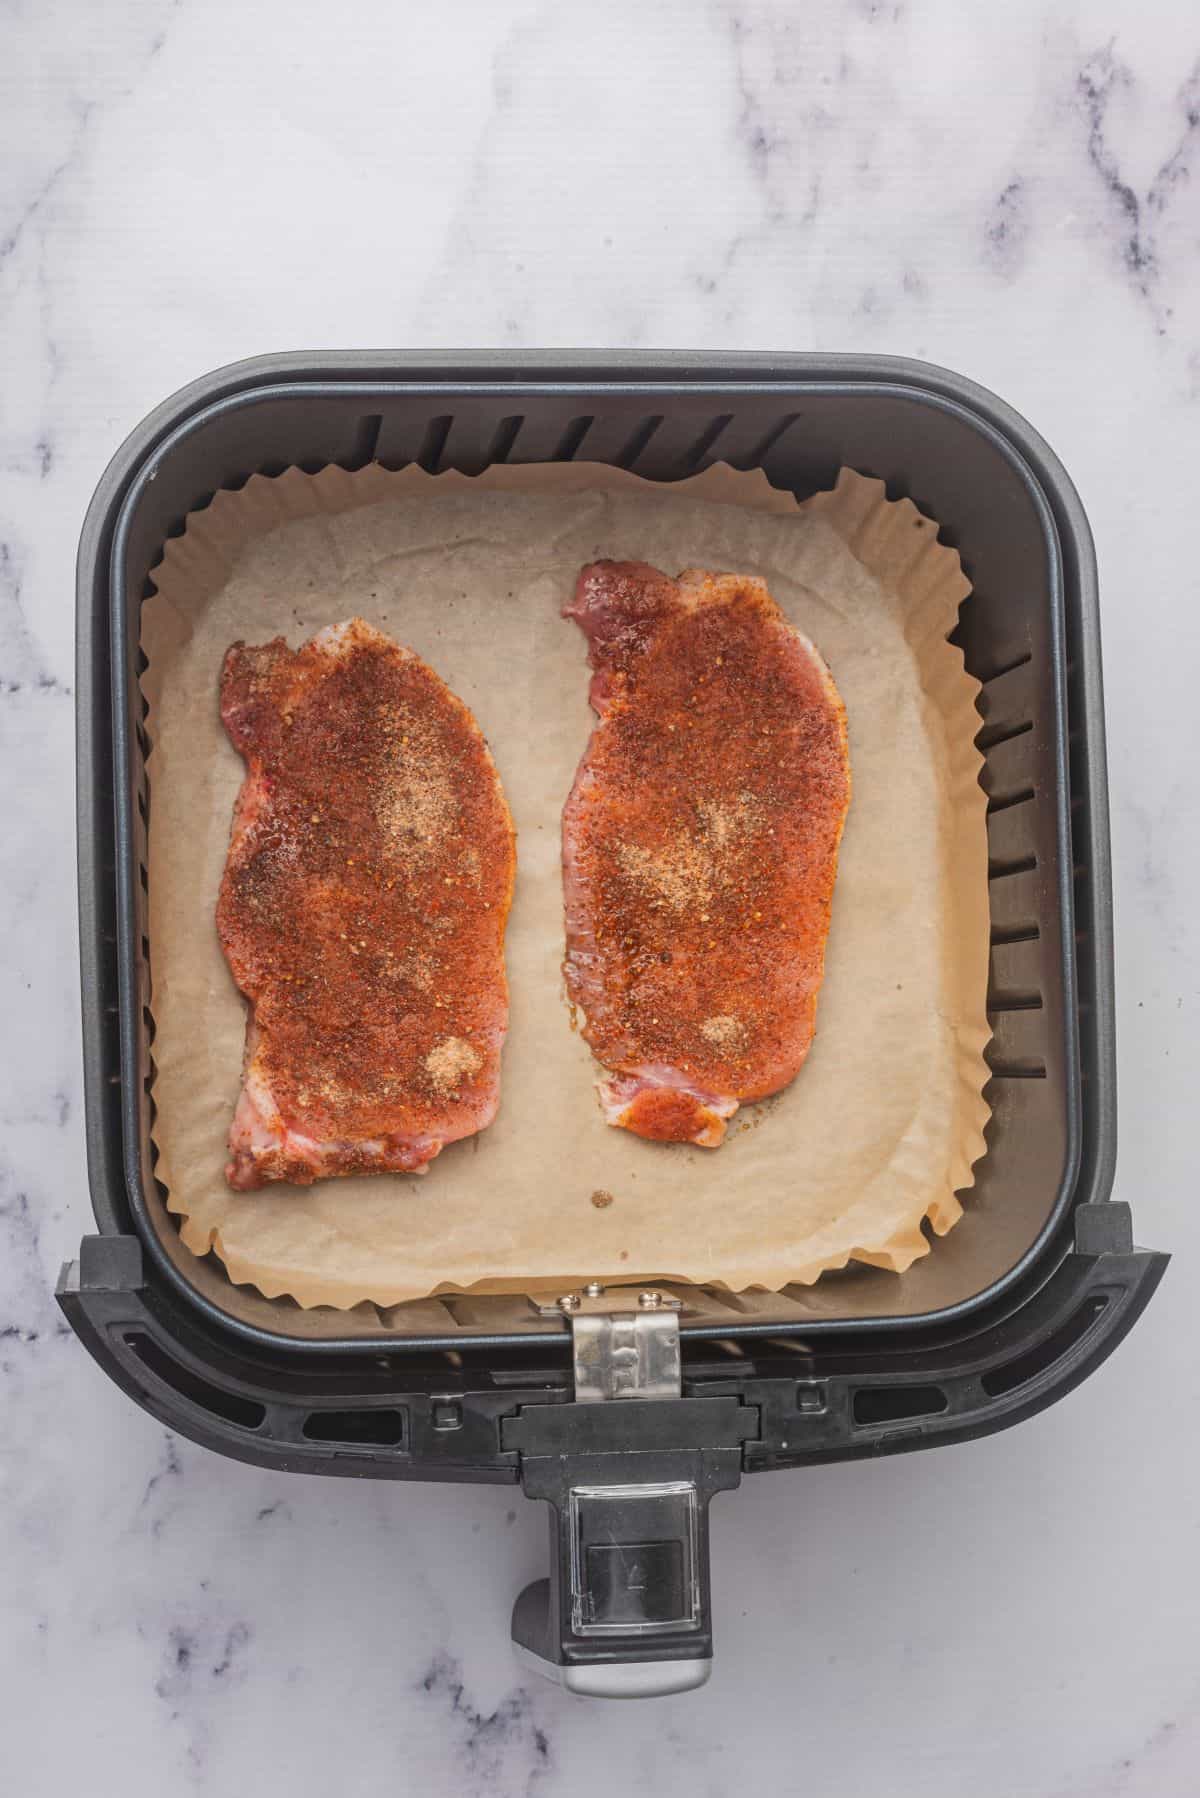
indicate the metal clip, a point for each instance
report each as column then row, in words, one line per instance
column 626, row 1341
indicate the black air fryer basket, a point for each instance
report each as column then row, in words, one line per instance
column 627, row 1413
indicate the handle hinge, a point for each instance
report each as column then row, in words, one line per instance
column 625, row 1342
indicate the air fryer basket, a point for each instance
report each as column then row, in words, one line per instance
column 798, row 422
column 1022, row 1300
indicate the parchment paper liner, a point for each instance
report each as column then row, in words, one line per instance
column 884, row 1122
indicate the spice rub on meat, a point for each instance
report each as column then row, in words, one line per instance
column 362, row 910
column 700, row 845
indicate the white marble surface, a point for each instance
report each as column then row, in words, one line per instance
column 1013, row 190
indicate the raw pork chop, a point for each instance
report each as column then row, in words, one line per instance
column 362, row 910
column 700, row 845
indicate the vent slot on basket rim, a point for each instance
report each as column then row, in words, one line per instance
column 376, row 1426
column 895, row 1404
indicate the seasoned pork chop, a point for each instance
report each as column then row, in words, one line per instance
column 362, row 910
column 700, row 845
